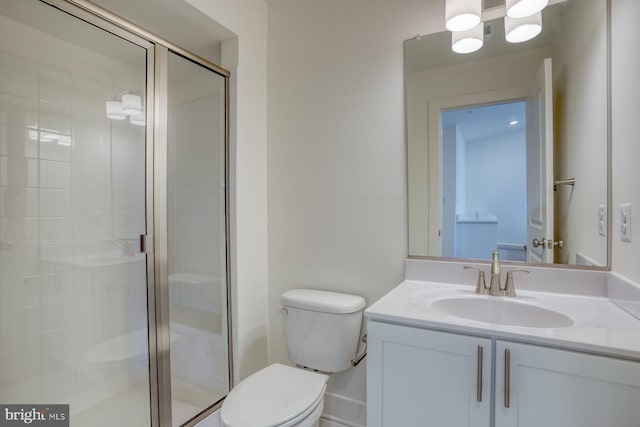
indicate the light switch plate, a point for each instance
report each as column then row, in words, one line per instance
column 602, row 220
column 625, row 222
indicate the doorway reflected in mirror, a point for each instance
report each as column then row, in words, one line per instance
column 484, row 182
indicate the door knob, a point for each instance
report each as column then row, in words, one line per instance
column 559, row 244
column 537, row 243
column 548, row 243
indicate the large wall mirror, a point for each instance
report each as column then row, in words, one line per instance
column 508, row 146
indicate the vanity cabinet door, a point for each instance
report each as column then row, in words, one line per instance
column 417, row 377
column 558, row 388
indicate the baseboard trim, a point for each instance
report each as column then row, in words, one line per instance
column 345, row 410
column 330, row 421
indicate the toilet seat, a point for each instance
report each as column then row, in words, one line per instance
column 277, row 395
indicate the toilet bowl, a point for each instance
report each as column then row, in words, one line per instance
column 277, row 395
column 322, row 330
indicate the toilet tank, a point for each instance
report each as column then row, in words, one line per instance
column 322, row 328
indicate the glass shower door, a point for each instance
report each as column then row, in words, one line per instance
column 197, row 273
column 73, row 285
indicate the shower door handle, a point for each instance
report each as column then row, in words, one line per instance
column 146, row 243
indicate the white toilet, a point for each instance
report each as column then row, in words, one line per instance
column 322, row 331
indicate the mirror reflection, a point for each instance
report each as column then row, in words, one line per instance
column 508, row 145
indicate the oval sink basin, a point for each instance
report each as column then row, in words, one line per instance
column 501, row 311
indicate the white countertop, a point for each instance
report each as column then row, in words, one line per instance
column 599, row 326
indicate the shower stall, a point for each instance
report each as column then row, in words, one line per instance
column 114, row 247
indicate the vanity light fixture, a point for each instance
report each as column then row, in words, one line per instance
column 126, row 104
column 522, row 22
column 524, row 8
column 468, row 41
column 462, row 15
column 518, row 30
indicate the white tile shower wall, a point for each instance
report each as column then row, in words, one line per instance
column 56, row 199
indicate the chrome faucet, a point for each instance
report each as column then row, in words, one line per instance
column 494, row 285
column 495, row 288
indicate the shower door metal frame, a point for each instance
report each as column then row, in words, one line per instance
column 156, row 198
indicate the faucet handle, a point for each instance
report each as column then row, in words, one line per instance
column 481, row 285
column 509, row 286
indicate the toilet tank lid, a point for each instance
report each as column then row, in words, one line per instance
column 323, row 301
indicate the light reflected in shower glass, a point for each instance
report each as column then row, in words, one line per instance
column 73, row 326
column 196, row 238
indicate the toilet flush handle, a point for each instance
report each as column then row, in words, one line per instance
column 283, row 311
column 357, row 360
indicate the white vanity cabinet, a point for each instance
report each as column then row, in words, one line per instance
column 419, row 377
column 559, row 388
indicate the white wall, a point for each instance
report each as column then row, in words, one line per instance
column 496, row 182
column 337, row 180
column 580, row 130
column 625, row 144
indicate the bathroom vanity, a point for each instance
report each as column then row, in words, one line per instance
column 440, row 355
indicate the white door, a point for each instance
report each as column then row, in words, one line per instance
column 420, row 378
column 540, row 167
column 538, row 386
